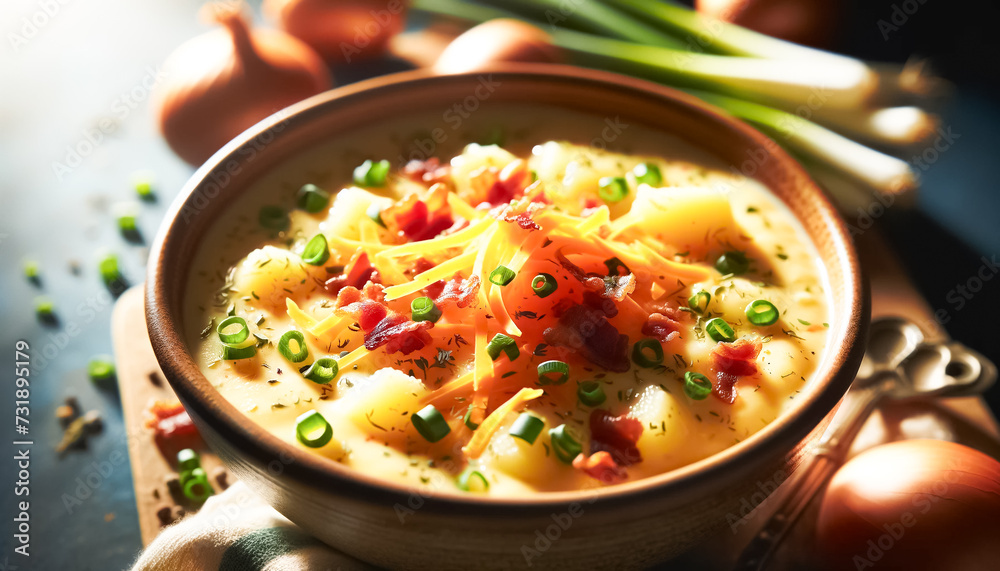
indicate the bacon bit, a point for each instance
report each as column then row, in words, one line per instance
column 417, row 219
column 173, row 429
column 611, row 287
column 601, row 466
column 602, row 304
column 398, row 333
column 616, row 435
column 734, row 360
column 462, row 292
column 662, row 327
column 519, row 212
column 360, row 272
column 588, row 332
column 430, row 171
column 495, row 187
column 367, row 307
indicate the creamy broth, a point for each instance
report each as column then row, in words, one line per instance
column 697, row 212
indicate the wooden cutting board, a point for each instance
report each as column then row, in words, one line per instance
column 967, row 420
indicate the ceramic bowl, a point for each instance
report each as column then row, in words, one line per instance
column 626, row 526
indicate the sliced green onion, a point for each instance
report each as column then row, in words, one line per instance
column 371, row 173
column 430, row 424
column 762, row 312
column 502, row 275
column 375, row 213
column 647, row 173
column 641, row 356
column 239, row 336
column 127, row 224
column 312, row 198
column 548, row 367
column 322, row 371
column 273, row 218
column 614, row 264
column 472, row 481
column 544, row 285
column 45, row 309
column 424, row 309
column 565, row 444
column 196, row 486
column 699, row 301
column 101, row 368
column 527, row 427
column 285, row 346
column 144, row 188
column 733, row 262
column 501, row 342
column 187, row 460
column 230, row 353
column 31, row 270
column 317, row 251
column 696, row 385
column 468, row 420
column 312, row 430
column 719, row 330
column 612, row 189
column 107, row 266
column 591, row 393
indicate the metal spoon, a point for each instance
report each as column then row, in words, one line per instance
column 898, row 365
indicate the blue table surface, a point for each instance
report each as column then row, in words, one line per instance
column 90, row 64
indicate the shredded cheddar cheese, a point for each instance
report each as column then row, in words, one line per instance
column 481, row 437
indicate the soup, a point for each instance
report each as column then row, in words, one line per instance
column 559, row 317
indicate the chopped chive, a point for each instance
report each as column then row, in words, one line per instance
column 127, row 224
column 762, row 312
column 564, row 443
column 285, row 346
column 187, row 460
column 591, row 393
column 468, row 420
column 144, row 188
column 312, row 198
column 647, row 173
column 502, row 275
column 371, row 173
column 804, row 322
column 239, row 336
column 375, row 213
column 612, row 189
column 101, row 368
column 31, row 270
column 696, row 385
column 647, row 353
column 312, row 430
column 273, row 218
column 544, row 285
column 699, row 301
column 107, row 266
column 430, row 423
column 230, row 353
column 322, row 371
column 733, row 262
column 472, row 481
column 502, row 343
column 196, row 487
column 719, row 330
column 424, row 309
column 548, row 367
column 317, row 251
column 45, row 309
column 527, row 427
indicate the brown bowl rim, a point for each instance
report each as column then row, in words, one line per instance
column 197, row 394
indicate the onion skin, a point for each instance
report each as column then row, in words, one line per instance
column 341, row 31
column 223, row 82
column 808, row 22
column 500, row 40
column 915, row 504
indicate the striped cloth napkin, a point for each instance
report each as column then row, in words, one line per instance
column 238, row 531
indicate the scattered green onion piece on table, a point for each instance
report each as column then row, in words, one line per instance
column 107, row 265
column 468, row 420
column 719, row 330
column 502, row 275
column 502, row 343
column 312, row 430
column 127, row 224
column 548, row 367
column 230, row 353
column 273, row 218
column 144, row 188
column 101, row 368
column 564, row 444
column 735, row 263
column 285, row 346
column 591, row 393
column 372, row 173
column 45, row 309
column 699, row 301
column 527, row 427
column 312, row 198
column 544, row 285
column 322, row 371
column 612, row 189
column 196, row 486
column 375, row 213
column 641, row 353
column 430, row 424
column 317, row 251
column 762, row 312
column 647, row 173
column 31, row 270
column 187, row 460
column 239, row 336
column 424, row 309
column 696, row 385
column 472, row 481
